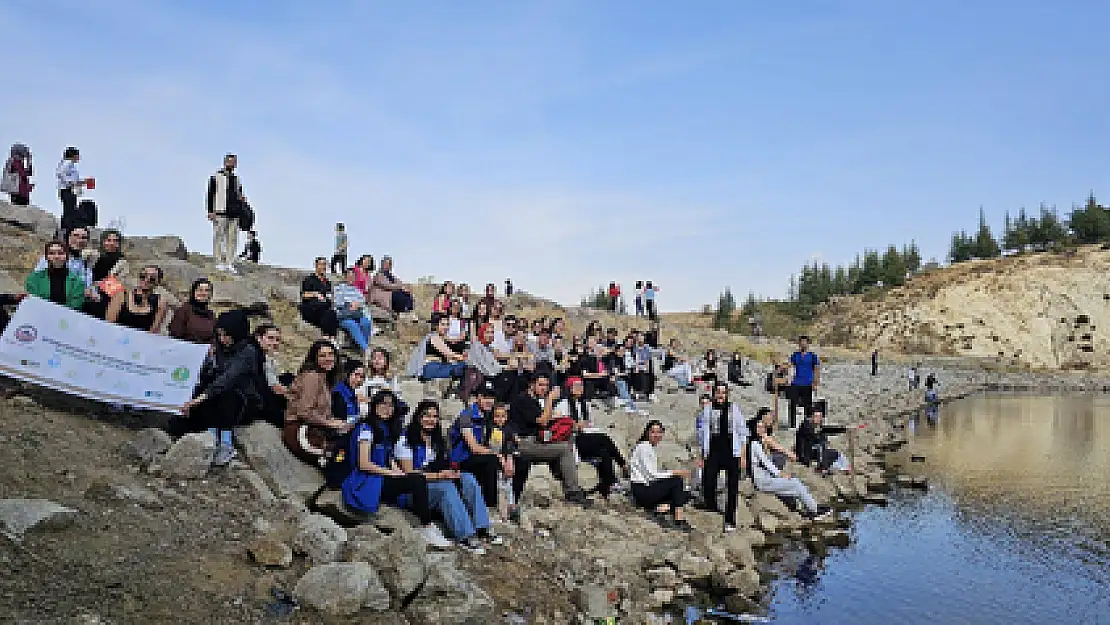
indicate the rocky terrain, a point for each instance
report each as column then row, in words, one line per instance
column 1040, row 311
column 105, row 519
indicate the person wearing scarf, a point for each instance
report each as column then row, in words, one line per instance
column 108, row 267
column 19, row 166
column 55, row 282
column 227, row 392
column 194, row 321
column 722, row 433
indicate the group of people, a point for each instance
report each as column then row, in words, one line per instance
column 645, row 299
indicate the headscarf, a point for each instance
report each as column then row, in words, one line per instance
column 201, row 308
column 20, row 151
column 235, row 324
column 107, row 260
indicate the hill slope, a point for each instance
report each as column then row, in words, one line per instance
column 1035, row 310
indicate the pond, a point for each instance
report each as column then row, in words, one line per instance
column 1015, row 527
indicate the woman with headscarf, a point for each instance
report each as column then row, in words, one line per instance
column 228, row 388
column 194, row 321
column 108, row 269
column 17, row 175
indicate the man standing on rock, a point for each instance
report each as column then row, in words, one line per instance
column 225, row 201
column 807, row 377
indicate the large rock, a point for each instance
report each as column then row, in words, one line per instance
column 31, row 218
column 319, row 538
column 330, row 504
column 152, row 248
column 449, row 598
column 240, row 292
column 189, row 458
column 270, row 551
column 18, row 516
column 400, row 558
column 8, row 284
column 261, row 444
column 178, row 275
column 147, row 445
column 342, row 589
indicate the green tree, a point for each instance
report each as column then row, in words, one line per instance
column 961, row 248
column 598, row 299
column 985, row 245
column 893, row 267
column 912, row 257
column 726, row 305
column 872, row 271
column 1090, row 223
column 1015, row 232
column 751, row 305
column 1050, row 230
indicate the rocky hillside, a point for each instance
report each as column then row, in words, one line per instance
column 1040, row 311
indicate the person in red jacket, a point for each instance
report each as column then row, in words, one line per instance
column 614, row 295
column 18, row 168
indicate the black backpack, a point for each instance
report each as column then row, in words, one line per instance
column 246, row 217
column 85, row 216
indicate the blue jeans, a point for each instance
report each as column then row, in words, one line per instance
column 440, row 370
column 622, row 392
column 360, row 329
column 462, row 506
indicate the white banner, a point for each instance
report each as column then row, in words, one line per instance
column 74, row 353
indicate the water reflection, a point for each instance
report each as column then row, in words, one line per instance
column 1015, row 528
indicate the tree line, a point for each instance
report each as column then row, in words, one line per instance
column 1088, row 223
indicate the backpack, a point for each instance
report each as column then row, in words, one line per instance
column 246, row 217
column 561, row 430
column 85, row 216
column 338, row 462
column 9, row 179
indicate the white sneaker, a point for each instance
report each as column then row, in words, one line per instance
column 729, row 528
column 434, row 537
column 473, row 546
column 630, row 410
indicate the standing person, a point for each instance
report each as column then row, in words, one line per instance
column 17, row 175
column 874, row 363
column 508, row 287
column 722, row 433
column 614, row 295
column 649, row 300
column 70, row 185
column 225, row 201
column 340, row 255
column 912, row 377
column 194, row 321
column 639, row 298
column 807, row 377
column 252, row 251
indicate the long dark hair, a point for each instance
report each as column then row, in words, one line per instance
column 313, row 354
column 393, row 426
column 414, row 433
column 369, row 268
column 384, row 354
column 647, row 430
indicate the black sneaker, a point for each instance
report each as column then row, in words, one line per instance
column 822, row 513
column 683, row 526
column 579, row 498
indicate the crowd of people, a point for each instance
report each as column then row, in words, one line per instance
column 529, row 386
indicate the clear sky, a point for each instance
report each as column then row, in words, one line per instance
column 570, row 143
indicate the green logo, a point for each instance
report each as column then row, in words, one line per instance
column 180, row 374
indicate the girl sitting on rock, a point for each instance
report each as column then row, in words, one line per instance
column 377, row 478
column 769, row 479
column 309, row 424
column 454, row 494
column 663, row 492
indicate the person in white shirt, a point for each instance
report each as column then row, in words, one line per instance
column 769, row 479
column 70, row 185
column 661, row 491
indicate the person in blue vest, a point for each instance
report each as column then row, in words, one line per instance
column 377, row 478
column 454, row 494
column 345, row 400
column 807, row 377
column 469, row 438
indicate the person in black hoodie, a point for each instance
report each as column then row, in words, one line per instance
column 811, row 443
column 228, row 389
column 736, row 369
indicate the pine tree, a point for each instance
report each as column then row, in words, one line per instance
column 912, row 257
column 726, row 305
column 893, row 267
column 1091, row 223
column 985, row 245
column 961, row 248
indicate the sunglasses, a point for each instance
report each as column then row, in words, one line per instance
column 148, row 276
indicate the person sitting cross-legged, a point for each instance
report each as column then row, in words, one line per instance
column 350, row 310
column 453, row 493
column 661, row 491
column 812, row 443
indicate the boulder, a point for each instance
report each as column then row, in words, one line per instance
column 126, row 493
column 240, row 292
column 449, row 598
column 30, row 218
column 400, row 559
column 330, row 504
column 739, row 549
column 319, row 538
column 147, row 445
column 178, row 275
column 155, row 248
column 8, row 284
column 743, row 581
column 342, row 589
column 18, row 516
column 285, row 474
column 189, row 458
column 269, row 551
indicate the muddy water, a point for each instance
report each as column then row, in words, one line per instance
column 1014, row 529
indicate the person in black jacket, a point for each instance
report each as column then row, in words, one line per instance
column 811, row 443
column 736, row 369
column 228, row 389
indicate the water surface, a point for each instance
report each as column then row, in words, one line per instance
column 1015, row 528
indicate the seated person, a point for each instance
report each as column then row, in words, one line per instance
column 458, row 327
column 310, row 426
column 736, row 369
column 530, row 414
column 643, row 376
column 769, row 479
column 619, row 363
column 268, row 337
column 194, row 321
column 677, row 366
column 442, row 301
column 378, row 375
column 453, row 493
column 592, row 446
column 520, row 365
column 440, row 361
column 812, row 443
column 316, row 308
column 140, row 308
column 481, row 357
column 709, row 367
column 661, row 491
column 350, row 311
column 57, row 282
column 469, row 438
column 591, row 368
column 389, row 293
column 543, row 351
column 75, row 245
column 779, row 452
column 377, row 478
column 346, row 397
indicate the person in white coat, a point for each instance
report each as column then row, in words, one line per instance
column 769, row 479
column 722, row 433
column 661, row 491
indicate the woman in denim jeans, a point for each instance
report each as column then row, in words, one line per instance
column 440, row 360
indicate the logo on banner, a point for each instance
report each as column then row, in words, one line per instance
column 26, row 334
column 180, row 374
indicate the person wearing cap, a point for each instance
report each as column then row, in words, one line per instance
column 469, row 441
column 389, row 293
column 229, row 382
column 225, row 201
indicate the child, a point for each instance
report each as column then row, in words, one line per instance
column 503, row 441
column 252, row 251
column 340, row 256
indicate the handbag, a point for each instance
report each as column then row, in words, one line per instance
column 559, row 430
column 10, row 182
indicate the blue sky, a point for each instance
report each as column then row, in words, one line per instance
column 569, row 143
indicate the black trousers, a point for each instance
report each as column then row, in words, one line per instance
column 599, row 448
column 651, row 310
column 668, row 490
column 20, row 200
column 721, row 459
column 412, row 484
column 800, row 395
column 642, row 381
column 322, row 316
column 69, row 211
column 341, row 261
column 598, row 387
column 484, row 468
